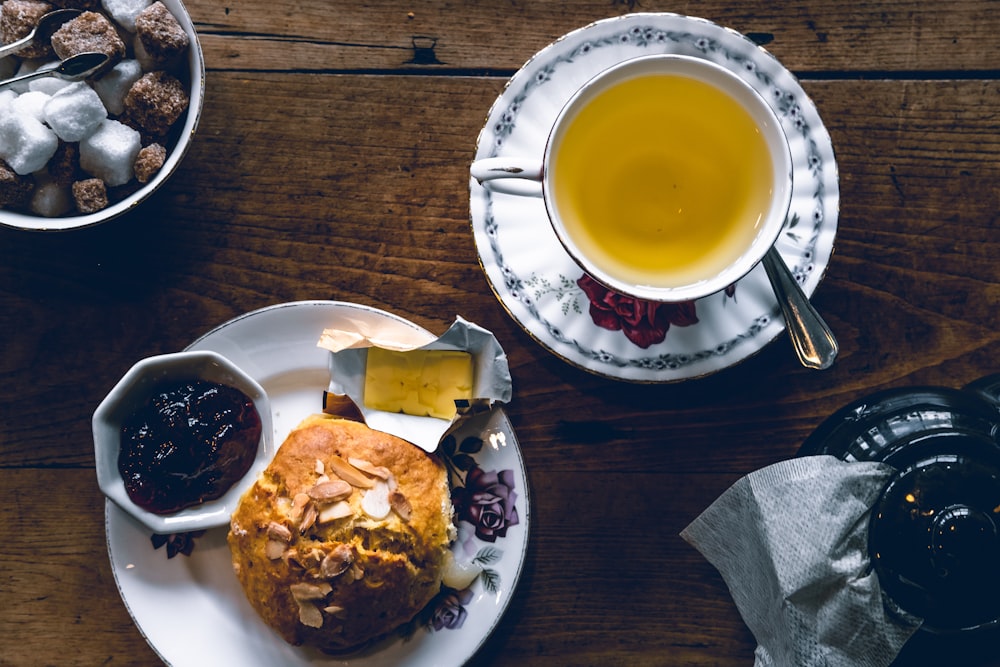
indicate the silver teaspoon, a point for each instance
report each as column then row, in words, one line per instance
column 43, row 30
column 74, row 68
column 812, row 339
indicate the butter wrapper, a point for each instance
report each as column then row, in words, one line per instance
column 349, row 356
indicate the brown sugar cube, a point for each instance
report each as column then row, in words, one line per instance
column 155, row 102
column 15, row 190
column 89, row 32
column 17, row 19
column 149, row 161
column 160, row 35
column 91, row 195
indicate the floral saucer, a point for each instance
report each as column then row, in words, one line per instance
column 574, row 317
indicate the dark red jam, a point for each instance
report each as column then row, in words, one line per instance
column 189, row 443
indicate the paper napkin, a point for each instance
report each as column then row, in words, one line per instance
column 790, row 541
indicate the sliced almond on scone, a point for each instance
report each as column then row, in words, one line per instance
column 309, row 614
column 336, row 562
column 280, row 532
column 400, row 505
column 328, row 492
column 304, row 590
column 375, row 502
column 367, row 466
column 349, row 473
column 338, row 510
column 275, row 549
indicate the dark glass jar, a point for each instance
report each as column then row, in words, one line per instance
column 934, row 532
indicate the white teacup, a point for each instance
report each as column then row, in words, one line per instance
column 665, row 177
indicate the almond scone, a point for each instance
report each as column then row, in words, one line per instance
column 345, row 536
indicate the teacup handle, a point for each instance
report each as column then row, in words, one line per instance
column 509, row 175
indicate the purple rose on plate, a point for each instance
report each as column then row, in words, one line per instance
column 449, row 612
column 487, row 501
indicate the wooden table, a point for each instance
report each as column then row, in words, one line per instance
column 331, row 163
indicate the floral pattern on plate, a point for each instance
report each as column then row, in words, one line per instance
column 486, row 506
column 539, row 284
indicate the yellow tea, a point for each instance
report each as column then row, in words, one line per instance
column 661, row 180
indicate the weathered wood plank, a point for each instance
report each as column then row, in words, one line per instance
column 822, row 37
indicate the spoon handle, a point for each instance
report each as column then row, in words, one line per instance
column 812, row 339
column 14, row 47
column 43, row 30
column 25, row 77
column 74, row 68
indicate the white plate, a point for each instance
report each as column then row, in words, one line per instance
column 192, row 610
column 535, row 279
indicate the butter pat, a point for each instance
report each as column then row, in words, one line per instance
column 423, row 383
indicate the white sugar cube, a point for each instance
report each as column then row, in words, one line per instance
column 31, row 103
column 114, row 85
column 50, row 85
column 51, row 200
column 25, row 143
column 109, row 152
column 125, row 11
column 6, row 97
column 74, row 112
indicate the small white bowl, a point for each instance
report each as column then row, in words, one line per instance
column 187, row 124
column 132, row 391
